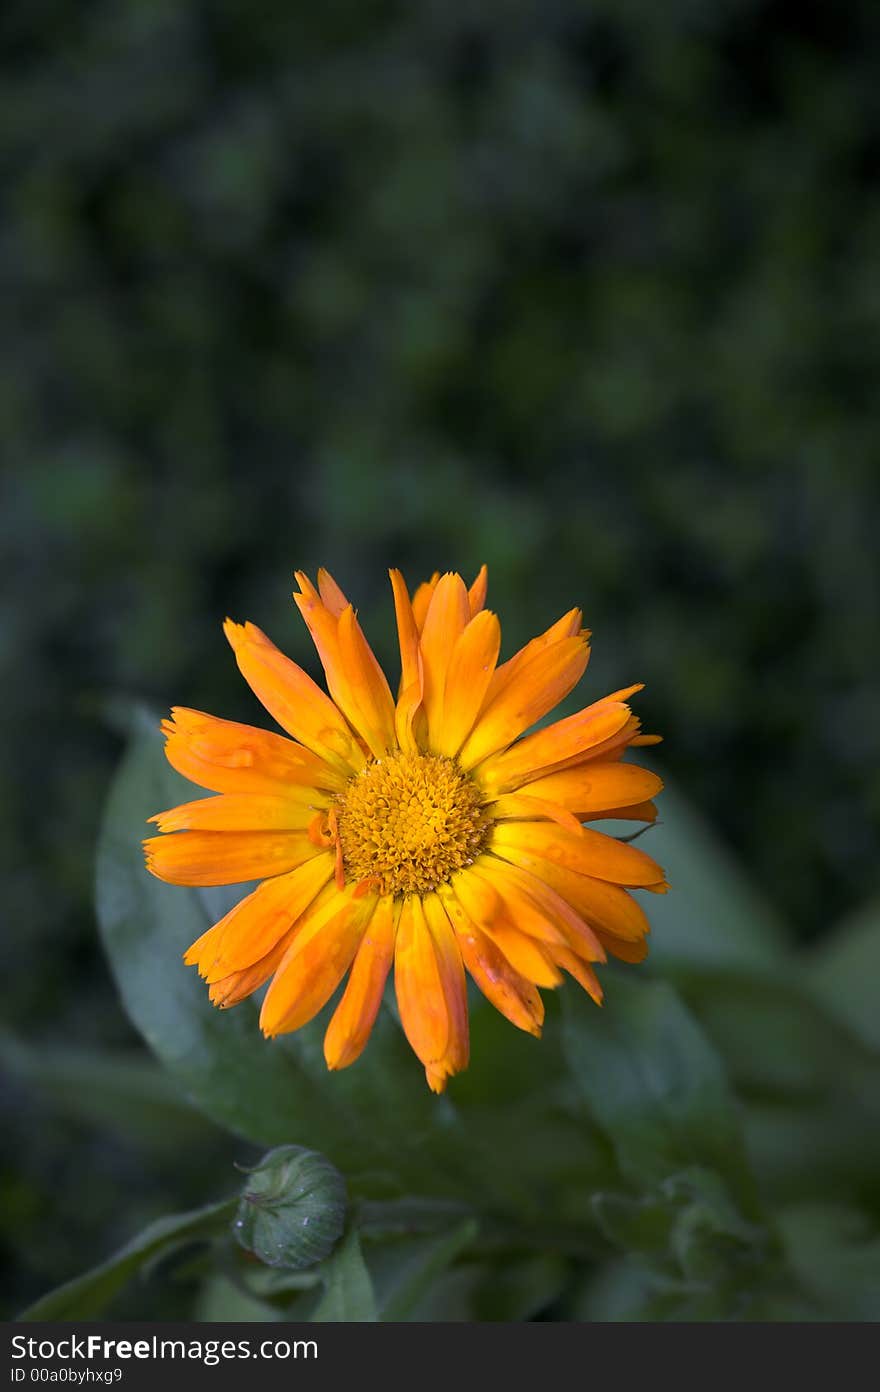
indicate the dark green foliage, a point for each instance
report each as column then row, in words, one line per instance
column 587, row 291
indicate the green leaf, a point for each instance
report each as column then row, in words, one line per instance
column 292, row 1209
column 712, row 914
column 809, row 1090
column 834, row 1251
column 415, row 1277
column 348, row 1289
column 120, row 1091
column 651, row 1079
column 221, row 1301
column 843, row 973
column 270, row 1092
column 89, row 1294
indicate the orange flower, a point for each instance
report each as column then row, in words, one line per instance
column 427, row 832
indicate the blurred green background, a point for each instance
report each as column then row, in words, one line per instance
column 589, row 291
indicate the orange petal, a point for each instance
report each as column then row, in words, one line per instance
column 554, row 747
column 522, row 807
column 422, row 598
column 512, row 994
column 245, row 812
column 583, row 974
column 255, row 925
column 528, row 895
column 355, row 1015
column 299, row 706
column 541, row 683
column 354, row 678
column 627, row 951
column 526, row 955
column 482, row 896
column 471, row 664
column 411, row 673
column 331, row 595
column 590, row 853
column 477, row 591
column 569, row 626
column 375, row 706
column 605, row 907
column 318, row 957
column 454, row 986
column 640, row 812
column 448, row 613
column 429, row 983
column 225, row 857
column 420, row 999
column 237, row 986
column 596, row 786
column 232, row 758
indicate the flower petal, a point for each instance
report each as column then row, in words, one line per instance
column 411, row 671
column 541, row 683
column 226, row 857
column 569, row 626
column 319, row 955
column 331, row 595
column 375, row 705
column 565, row 742
column 257, row 923
column 477, row 591
column 231, row 758
column 511, row 993
column 607, row 908
column 582, row 973
column 591, row 853
column 452, row 975
column 469, row 671
column 422, row 598
column 354, row 678
column 528, row 897
column 430, row 987
column 447, row 615
column 355, row 1015
column 245, row 812
column 299, row 706
column 596, row 786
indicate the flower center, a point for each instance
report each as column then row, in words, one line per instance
column 407, row 822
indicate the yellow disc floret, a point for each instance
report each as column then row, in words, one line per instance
column 408, row 822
